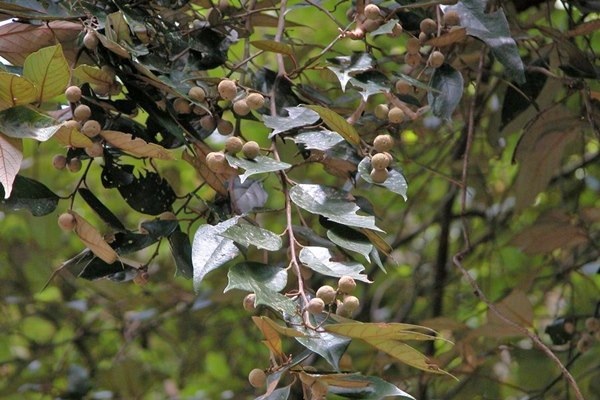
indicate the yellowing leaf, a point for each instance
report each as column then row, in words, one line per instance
column 49, row 70
column 92, row 75
column 283, row 330
column 337, row 123
column 72, row 137
column 15, row 90
column 117, row 29
column 272, row 339
column 273, row 46
column 11, row 155
column 93, row 239
column 136, row 147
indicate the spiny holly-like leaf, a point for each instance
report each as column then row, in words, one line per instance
column 31, row 195
column 135, row 146
column 389, row 337
column 273, row 47
column 345, row 66
column 493, row 29
column 370, row 83
column 386, row 28
column 246, row 235
column 276, row 301
column 319, row 259
column 49, row 70
column 93, row 239
column 93, row 75
column 26, row 123
column 297, row 117
column 259, row 165
column 357, row 243
column 319, row 140
column 448, row 84
column 395, row 181
column 255, row 277
column 210, row 250
column 357, row 386
column 11, row 155
column 337, row 123
column 15, row 90
column 71, row 137
column 332, row 204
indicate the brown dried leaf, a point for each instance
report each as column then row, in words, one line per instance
column 93, row 239
column 454, row 36
column 136, row 147
column 199, row 163
column 15, row 90
column 272, row 339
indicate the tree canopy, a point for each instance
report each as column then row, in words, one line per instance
column 310, row 199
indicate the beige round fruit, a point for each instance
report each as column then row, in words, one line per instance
column 72, row 124
column 327, row 294
column 90, row 40
column 182, row 106
column 257, row 378
column 380, row 161
column 225, row 127
column 396, row 31
column 395, row 115
column 413, row 45
column 73, row 94
column 249, row 302
column 95, row 150
column 342, row 311
column 436, row 59
column 227, row 89
column 233, row 145
column 315, row 306
column 428, row 26
column 82, row 113
column 371, row 25
column 413, row 59
column 59, row 161
column 451, row 18
column 251, row 149
column 403, row 87
column 381, row 111
column 379, row 175
column 241, row 108
column 372, row 11
column 208, row 122
column 67, row 221
column 585, row 342
column 216, row 161
column 383, row 143
column 91, row 128
column 255, row 101
column 351, row 303
column 196, row 93
column 74, row 165
column 346, row 284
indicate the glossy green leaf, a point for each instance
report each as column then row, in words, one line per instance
column 329, row 346
column 49, row 70
column 26, row 123
column 337, row 123
column 345, row 66
column 31, row 195
column 396, row 182
column 210, row 250
column 256, row 277
column 259, row 165
column 493, row 29
column 370, row 83
column 319, row 140
column 359, row 243
column 319, row 259
column 181, row 250
column 276, row 301
column 448, row 84
column 357, row 386
column 332, row 204
column 246, row 235
column 297, row 117
column 15, row 90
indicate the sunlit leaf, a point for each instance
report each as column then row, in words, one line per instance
column 49, row 70
column 319, row 140
column 448, row 84
column 93, row 239
column 297, row 117
column 11, row 155
column 72, row 137
column 246, row 235
column 386, row 28
column 95, row 76
column 272, row 339
column 337, row 123
column 15, row 90
column 395, row 181
column 259, row 165
column 319, row 259
column 31, row 195
column 135, row 146
column 282, row 329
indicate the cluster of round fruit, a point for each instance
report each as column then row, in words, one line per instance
column 346, row 304
column 382, row 159
column 216, row 160
column 591, row 334
column 369, row 21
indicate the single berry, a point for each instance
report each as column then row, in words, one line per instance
column 208, row 122
column 585, row 342
column 225, row 127
column 396, row 115
column 413, row 45
column 403, row 87
column 227, row 89
column 216, row 161
column 413, row 59
column 380, row 161
column 141, row 278
column 379, row 175
column 72, row 124
column 428, row 26
column 346, row 284
column 196, row 93
column 371, row 25
column 233, row 145
column 255, row 101
column 249, row 302
column 74, row 165
column 82, row 113
column 91, row 128
column 198, row 110
column 90, row 40
column 59, row 161
column 251, row 149
column 351, row 303
column 436, row 59
column 257, row 378
column 327, row 294
column 67, row 221
column 381, row 111
column 95, row 150
column 315, row 305
column 423, row 37
column 182, row 106
column 383, row 143
column 451, row 18
column 592, row 324
column 372, row 11
column 241, row 108
column 73, row 94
